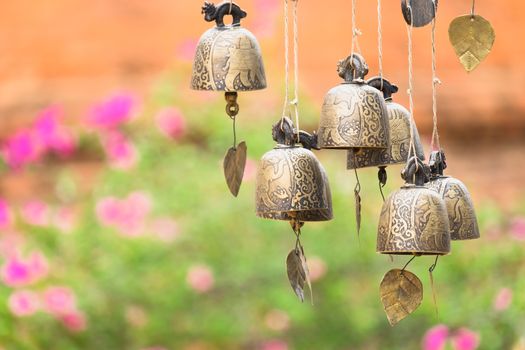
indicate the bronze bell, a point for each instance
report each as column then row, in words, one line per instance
column 460, row 209
column 354, row 115
column 400, row 123
column 414, row 218
column 228, row 57
column 291, row 183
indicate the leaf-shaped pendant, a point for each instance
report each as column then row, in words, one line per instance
column 234, row 163
column 401, row 294
column 357, row 198
column 297, row 270
column 423, row 12
column 472, row 38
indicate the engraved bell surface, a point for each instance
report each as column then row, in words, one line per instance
column 228, row 57
column 414, row 219
column 354, row 115
column 399, row 128
column 460, row 209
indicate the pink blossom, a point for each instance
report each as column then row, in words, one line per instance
column 517, row 228
column 59, row 300
column 503, row 299
column 250, row 170
column 50, row 135
column 65, row 219
column 317, row 268
column 6, row 218
column 171, row 123
column 264, row 24
column 75, row 321
column 113, row 112
column 23, row 303
column 127, row 215
column 38, row 265
column 274, row 345
column 186, row 50
column 120, row 151
column 10, row 243
column 16, row 272
column 277, row 320
column 200, row 278
column 165, row 229
column 36, row 213
column 465, row 339
column 435, row 338
column 20, row 150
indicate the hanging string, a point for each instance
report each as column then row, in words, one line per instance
column 295, row 101
column 410, row 91
column 434, row 297
column 286, row 64
column 231, row 7
column 435, row 83
column 355, row 31
column 380, row 41
column 472, row 8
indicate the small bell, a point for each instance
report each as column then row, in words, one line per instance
column 228, row 57
column 399, row 128
column 291, row 183
column 354, row 115
column 461, row 214
column 414, row 219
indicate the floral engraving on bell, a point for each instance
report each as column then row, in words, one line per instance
column 228, row 59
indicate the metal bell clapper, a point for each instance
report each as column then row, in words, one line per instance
column 354, row 114
column 460, row 209
column 414, row 219
column 291, row 183
column 400, row 122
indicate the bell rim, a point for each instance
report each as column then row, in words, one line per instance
column 458, row 239
column 415, row 253
column 267, row 215
column 347, row 148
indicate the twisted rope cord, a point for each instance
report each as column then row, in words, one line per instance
column 435, row 83
column 286, row 63
column 380, row 41
column 410, row 91
column 295, row 101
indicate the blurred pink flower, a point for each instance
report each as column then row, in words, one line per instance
column 74, row 320
column 264, row 24
column 274, row 345
column 50, row 135
column 465, row 339
column 277, row 320
column 38, row 265
column 186, row 50
column 23, row 303
column 20, row 150
column 10, row 243
column 64, row 219
column 18, row 272
column 200, row 278
column 317, row 268
column 59, row 300
column 127, row 215
column 503, row 299
column 250, row 170
column 120, row 151
column 517, row 228
column 113, row 112
column 171, row 123
column 6, row 218
column 165, row 229
column 435, row 338
column 36, row 212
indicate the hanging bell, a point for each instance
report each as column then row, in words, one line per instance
column 400, row 122
column 461, row 214
column 291, row 183
column 228, row 57
column 414, row 219
column 354, row 115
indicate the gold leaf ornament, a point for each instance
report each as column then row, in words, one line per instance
column 234, row 163
column 401, row 294
column 472, row 37
column 298, row 273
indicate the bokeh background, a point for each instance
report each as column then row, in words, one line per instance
column 118, row 232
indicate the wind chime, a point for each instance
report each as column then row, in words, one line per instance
column 228, row 58
column 291, row 183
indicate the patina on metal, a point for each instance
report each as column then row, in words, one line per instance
column 419, row 13
column 228, row 57
column 399, row 122
column 414, row 219
column 354, row 115
column 472, row 37
column 461, row 214
column 291, row 183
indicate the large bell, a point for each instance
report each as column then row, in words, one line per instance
column 460, row 209
column 414, row 218
column 400, row 122
column 291, row 183
column 354, row 115
column 228, row 57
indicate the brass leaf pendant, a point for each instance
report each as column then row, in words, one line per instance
column 298, row 273
column 401, row 294
column 472, row 38
column 357, row 198
column 234, row 163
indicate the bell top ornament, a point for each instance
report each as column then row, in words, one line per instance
column 399, row 127
column 291, row 183
column 354, row 115
column 228, row 57
column 414, row 219
column 460, row 209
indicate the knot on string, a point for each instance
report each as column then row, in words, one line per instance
column 357, row 32
column 294, row 102
column 436, row 81
column 409, row 92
